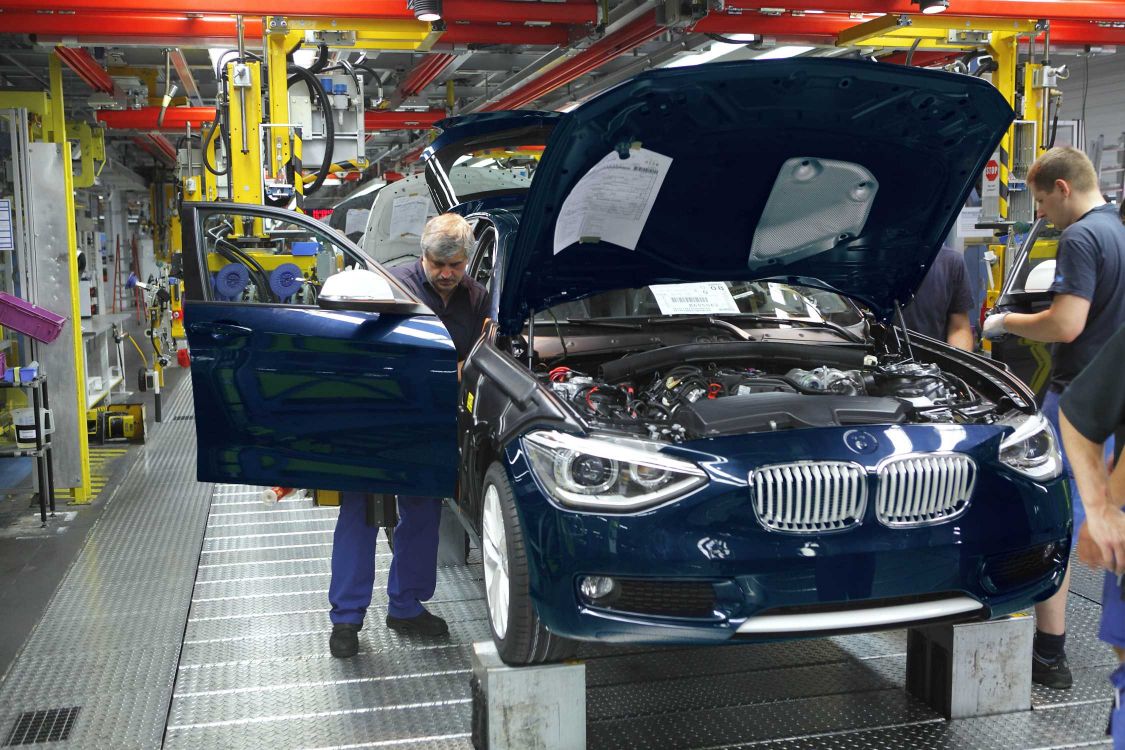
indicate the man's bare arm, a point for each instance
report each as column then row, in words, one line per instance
column 1104, row 518
column 1062, row 322
column 958, row 332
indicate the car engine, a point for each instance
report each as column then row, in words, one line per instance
column 690, row 401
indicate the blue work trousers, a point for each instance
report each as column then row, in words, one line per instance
column 413, row 574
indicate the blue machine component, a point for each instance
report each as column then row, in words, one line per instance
column 231, row 280
column 304, row 248
column 285, row 280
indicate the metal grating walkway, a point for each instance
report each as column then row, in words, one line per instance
column 110, row 639
column 240, row 659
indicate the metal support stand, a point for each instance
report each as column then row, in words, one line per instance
column 975, row 669
column 521, row 708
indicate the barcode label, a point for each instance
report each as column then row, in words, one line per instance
column 698, row 298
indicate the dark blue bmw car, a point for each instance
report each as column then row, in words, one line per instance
column 692, row 416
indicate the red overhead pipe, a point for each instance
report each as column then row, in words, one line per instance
column 401, row 120
column 86, row 67
column 172, row 29
column 1068, row 10
column 157, row 146
column 163, row 145
column 423, row 74
column 145, row 118
column 412, row 156
column 821, row 28
column 609, row 47
column 133, row 25
column 475, row 11
column 177, row 29
column 550, row 36
column 572, row 12
column 922, row 59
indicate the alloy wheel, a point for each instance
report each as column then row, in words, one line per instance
column 495, row 552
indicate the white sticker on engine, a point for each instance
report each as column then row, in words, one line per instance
column 701, row 298
column 612, row 201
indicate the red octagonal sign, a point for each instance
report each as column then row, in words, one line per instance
column 991, row 170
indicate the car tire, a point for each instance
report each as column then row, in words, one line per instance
column 519, row 636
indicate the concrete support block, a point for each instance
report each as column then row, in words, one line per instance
column 527, row 708
column 974, row 669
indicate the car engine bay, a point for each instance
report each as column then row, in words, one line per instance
column 699, row 397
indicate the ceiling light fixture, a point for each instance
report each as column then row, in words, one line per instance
column 425, row 10
column 930, row 7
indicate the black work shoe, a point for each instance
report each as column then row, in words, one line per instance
column 344, row 641
column 423, row 624
column 1053, row 674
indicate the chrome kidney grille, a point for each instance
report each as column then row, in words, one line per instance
column 809, row 496
column 922, row 490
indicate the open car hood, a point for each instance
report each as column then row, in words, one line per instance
column 848, row 173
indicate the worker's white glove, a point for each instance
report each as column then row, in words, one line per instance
column 994, row 326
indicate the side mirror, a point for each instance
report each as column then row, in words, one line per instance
column 1041, row 277
column 360, row 290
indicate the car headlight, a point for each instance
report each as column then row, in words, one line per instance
column 1032, row 448
column 608, row 474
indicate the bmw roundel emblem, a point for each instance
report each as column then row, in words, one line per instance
column 860, row 441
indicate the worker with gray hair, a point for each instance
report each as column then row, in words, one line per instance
column 438, row 280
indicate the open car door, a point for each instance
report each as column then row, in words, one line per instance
column 296, row 390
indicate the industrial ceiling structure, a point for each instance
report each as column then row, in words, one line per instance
column 478, row 56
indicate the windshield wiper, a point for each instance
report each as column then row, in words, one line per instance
column 602, row 323
column 846, row 333
column 708, row 319
column 716, row 319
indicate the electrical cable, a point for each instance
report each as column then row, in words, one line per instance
column 910, row 53
column 144, row 359
column 348, row 68
column 321, row 59
column 1085, row 85
column 317, row 91
column 559, row 332
column 730, row 40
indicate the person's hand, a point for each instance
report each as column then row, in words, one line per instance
column 1088, row 551
column 1106, row 529
column 994, row 326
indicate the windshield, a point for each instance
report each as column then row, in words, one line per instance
column 765, row 298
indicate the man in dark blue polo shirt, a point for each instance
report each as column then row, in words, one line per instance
column 941, row 305
column 438, row 279
column 1087, row 307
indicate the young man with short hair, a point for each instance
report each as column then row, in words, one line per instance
column 1087, row 307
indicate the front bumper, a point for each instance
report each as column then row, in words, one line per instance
column 1006, row 552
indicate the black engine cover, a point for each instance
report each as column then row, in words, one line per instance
column 765, row 412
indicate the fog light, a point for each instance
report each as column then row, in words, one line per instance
column 594, row 588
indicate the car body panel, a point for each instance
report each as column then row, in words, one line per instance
column 299, row 396
column 410, row 193
column 713, row 535
column 922, row 136
column 729, row 129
